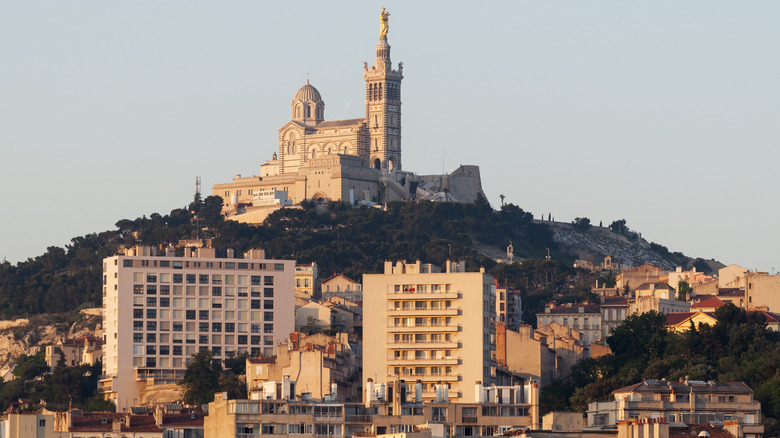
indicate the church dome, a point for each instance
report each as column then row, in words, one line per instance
column 307, row 93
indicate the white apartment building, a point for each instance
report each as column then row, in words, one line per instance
column 425, row 325
column 159, row 310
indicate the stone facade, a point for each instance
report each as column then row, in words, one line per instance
column 354, row 160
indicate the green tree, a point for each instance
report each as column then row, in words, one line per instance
column 619, row 226
column 30, row 367
column 582, row 224
column 683, row 289
column 201, row 379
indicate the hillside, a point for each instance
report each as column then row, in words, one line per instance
column 339, row 238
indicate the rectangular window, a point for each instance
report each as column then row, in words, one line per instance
column 268, row 316
column 165, row 289
column 151, row 338
column 138, row 313
column 151, row 301
column 190, row 278
column 203, row 278
column 216, row 291
column 255, row 328
column 151, row 362
column 151, row 313
column 268, row 292
column 177, row 278
column 165, row 302
column 242, row 339
column 177, row 350
column 278, row 266
column 268, row 328
column 255, row 304
column 151, row 278
column 256, row 280
column 268, row 280
column 151, row 325
column 177, row 264
column 177, row 326
column 203, row 314
column 190, row 314
column 216, row 327
column 138, row 337
column 268, row 304
column 151, row 349
column 138, row 289
column 230, row 327
column 127, row 263
column 203, row 327
column 256, row 340
column 151, row 289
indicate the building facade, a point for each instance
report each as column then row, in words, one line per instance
column 430, row 326
column 688, row 401
column 160, row 310
column 354, row 160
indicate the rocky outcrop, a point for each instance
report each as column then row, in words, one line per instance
column 28, row 335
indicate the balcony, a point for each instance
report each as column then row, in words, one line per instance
column 399, row 328
column 423, row 361
column 414, row 295
column 411, row 344
column 450, row 311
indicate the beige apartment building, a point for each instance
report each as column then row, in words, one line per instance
column 159, row 310
column 431, row 326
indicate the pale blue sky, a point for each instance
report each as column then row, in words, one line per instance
column 665, row 113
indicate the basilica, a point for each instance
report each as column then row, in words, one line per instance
column 353, row 160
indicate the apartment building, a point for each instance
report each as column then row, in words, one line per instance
column 159, row 310
column 430, row 326
column 509, row 307
column 282, row 413
column 687, row 401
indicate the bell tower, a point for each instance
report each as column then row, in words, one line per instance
column 383, row 104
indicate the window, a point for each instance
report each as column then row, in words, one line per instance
column 138, row 337
column 255, row 304
column 216, row 326
column 127, row 263
column 268, row 280
column 203, row 314
column 203, row 278
column 151, row 278
column 165, row 289
column 138, row 325
column 230, row 327
column 190, row 314
column 177, row 326
column 151, row 313
column 177, row 278
column 165, row 350
column 268, row 292
column 268, row 328
column 268, row 316
column 177, row 350
column 138, row 289
column 151, row 301
column 165, row 302
column 203, row 327
column 255, row 280
column 151, row 349
column 190, row 278
column 242, row 339
column 138, row 313
column 151, row 325
column 268, row 304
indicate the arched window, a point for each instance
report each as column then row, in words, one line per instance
column 377, row 163
column 380, row 91
column 308, row 111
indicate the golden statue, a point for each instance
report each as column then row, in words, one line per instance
column 383, row 26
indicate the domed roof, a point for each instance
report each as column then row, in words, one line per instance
column 308, row 93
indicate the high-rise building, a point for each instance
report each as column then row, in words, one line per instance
column 430, row 326
column 159, row 310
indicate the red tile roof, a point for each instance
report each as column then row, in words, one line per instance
column 709, row 302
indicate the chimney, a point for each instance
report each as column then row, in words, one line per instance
column 231, row 253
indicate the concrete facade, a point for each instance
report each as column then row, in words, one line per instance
column 160, row 310
column 430, row 325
